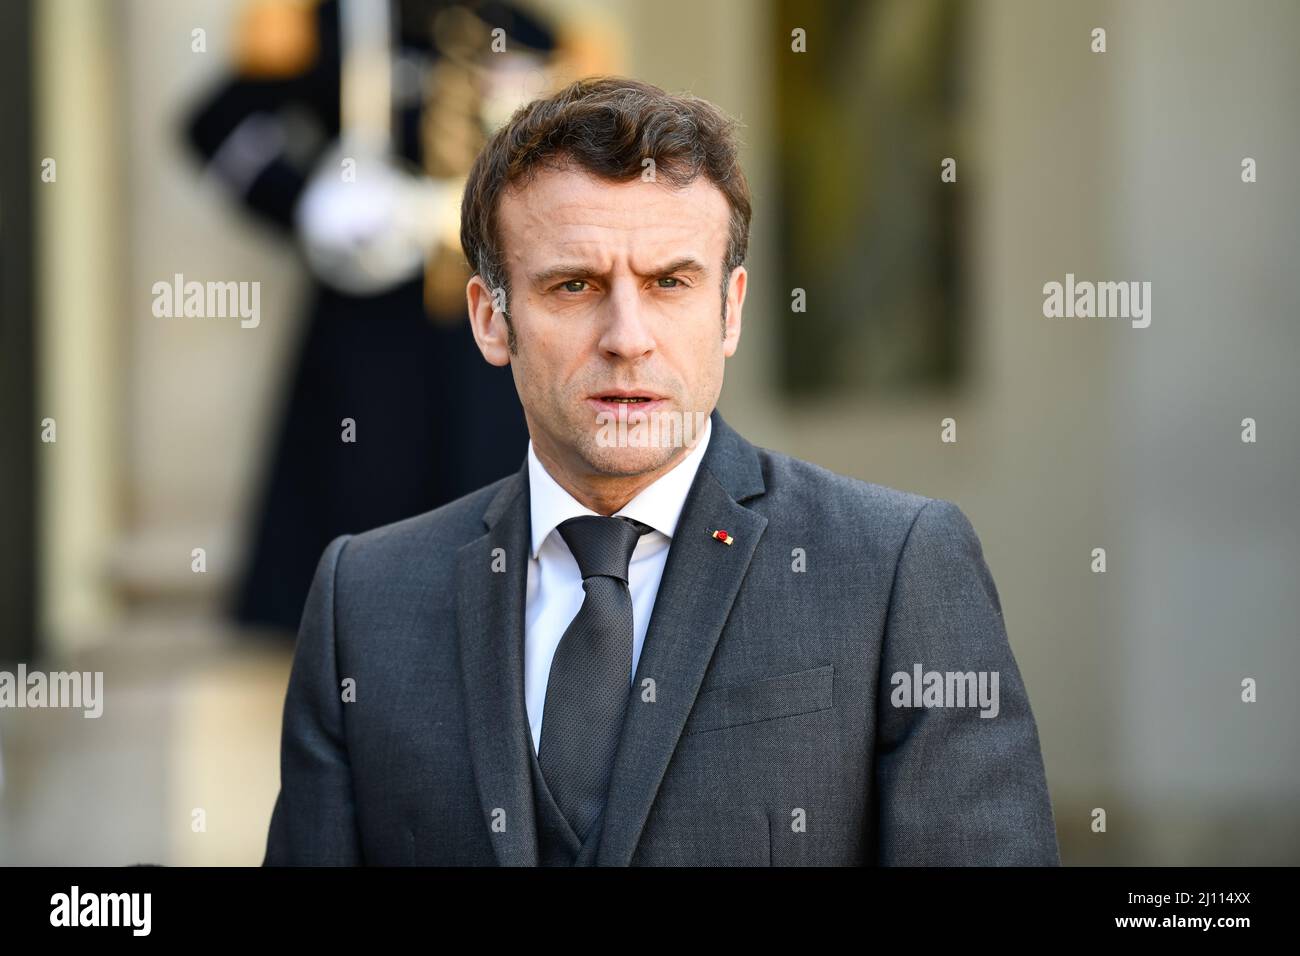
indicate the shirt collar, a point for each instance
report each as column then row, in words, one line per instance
column 659, row 504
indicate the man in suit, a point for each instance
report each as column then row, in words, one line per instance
column 671, row 649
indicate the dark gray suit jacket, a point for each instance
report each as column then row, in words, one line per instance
column 760, row 729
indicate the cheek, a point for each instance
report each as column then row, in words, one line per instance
column 698, row 360
column 550, row 363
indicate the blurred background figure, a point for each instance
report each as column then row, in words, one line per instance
column 350, row 125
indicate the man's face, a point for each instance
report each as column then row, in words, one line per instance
column 615, row 288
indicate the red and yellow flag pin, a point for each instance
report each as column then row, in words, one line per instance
column 722, row 536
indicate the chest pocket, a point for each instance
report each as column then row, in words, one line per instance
column 786, row 695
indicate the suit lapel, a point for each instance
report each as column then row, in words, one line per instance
column 699, row 585
column 490, row 630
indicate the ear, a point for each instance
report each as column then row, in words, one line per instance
column 735, row 305
column 487, row 321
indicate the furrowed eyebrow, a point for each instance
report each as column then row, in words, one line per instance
column 686, row 264
column 563, row 272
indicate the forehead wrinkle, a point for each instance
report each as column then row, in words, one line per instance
column 540, row 210
column 646, row 255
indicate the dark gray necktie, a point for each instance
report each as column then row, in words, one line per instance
column 589, row 682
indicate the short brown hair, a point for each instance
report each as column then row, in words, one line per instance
column 606, row 125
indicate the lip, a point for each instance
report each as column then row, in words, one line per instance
column 626, row 393
column 656, row 402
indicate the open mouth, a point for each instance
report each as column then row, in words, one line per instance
column 625, row 401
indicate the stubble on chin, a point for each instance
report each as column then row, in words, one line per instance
column 622, row 462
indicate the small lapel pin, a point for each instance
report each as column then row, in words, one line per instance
column 722, row 536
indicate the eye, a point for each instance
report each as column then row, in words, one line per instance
column 565, row 285
column 677, row 282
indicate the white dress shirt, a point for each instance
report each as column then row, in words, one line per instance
column 555, row 591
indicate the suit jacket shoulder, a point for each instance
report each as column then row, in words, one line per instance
column 419, row 541
column 860, row 521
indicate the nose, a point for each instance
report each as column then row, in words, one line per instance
column 626, row 332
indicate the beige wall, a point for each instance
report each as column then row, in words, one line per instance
column 79, row 332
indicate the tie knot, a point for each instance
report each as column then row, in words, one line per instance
column 602, row 546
